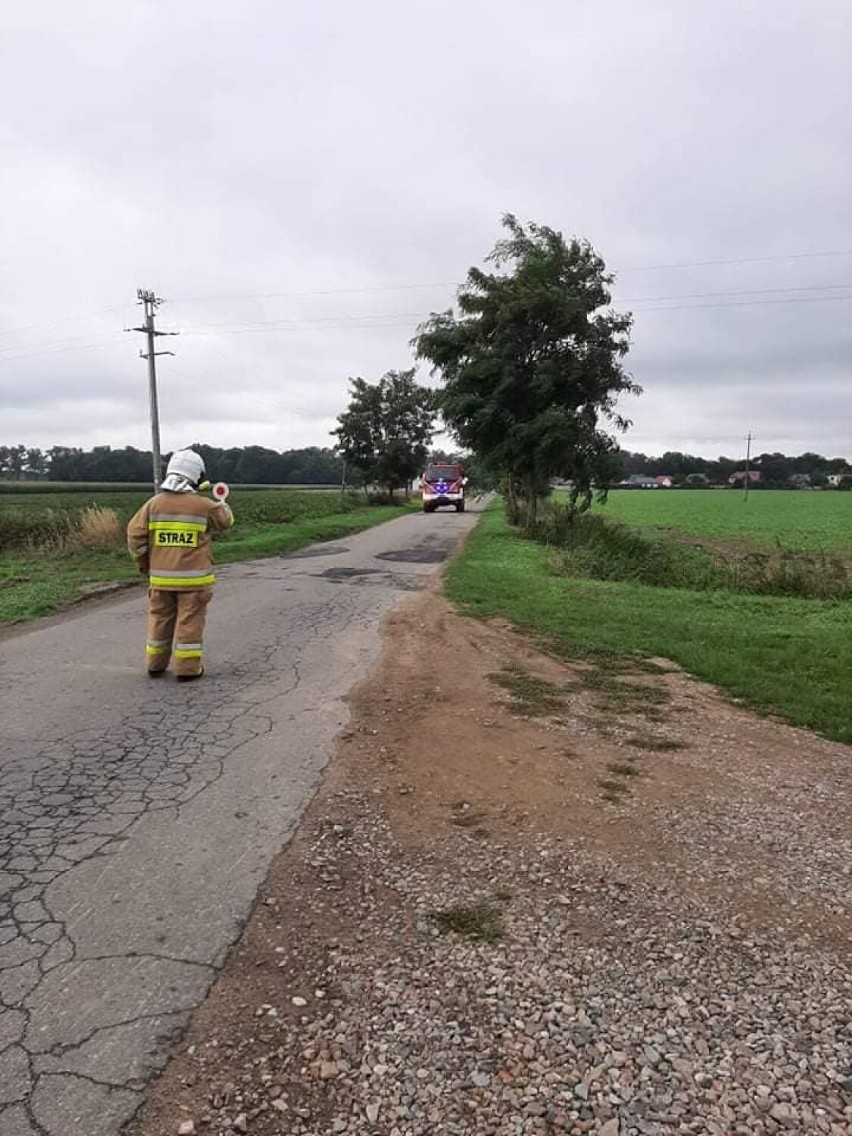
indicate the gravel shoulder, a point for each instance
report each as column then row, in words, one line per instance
column 539, row 897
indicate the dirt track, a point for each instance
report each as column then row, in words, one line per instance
column 533, row 897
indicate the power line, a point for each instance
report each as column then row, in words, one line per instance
column 743, row 292
column 746, row 304
column 736, row 260
column 55, row 323
column 458, row 283
column 260, row 324
column 379, row 320
column 60, row 347
column 300, row 321
column 315, row 292
column 59, row 343
column 23, row 329
column 400, row 319
column 308, row 326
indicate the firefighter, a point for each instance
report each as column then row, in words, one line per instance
column 169, row 538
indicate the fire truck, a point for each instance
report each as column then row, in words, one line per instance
column 443, row 484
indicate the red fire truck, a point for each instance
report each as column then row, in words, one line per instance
column 443, row 484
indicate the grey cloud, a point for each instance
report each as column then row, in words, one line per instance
column 224, row 150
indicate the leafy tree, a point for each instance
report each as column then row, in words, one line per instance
column 36, row 462
column 808, row 462
column 775, row 469
column 675, row 464
column 385, row 432
column 610, row 470
column 313, row 466
column 532, row 365
column 634, row 463
column 15, row 461
column 257, row 466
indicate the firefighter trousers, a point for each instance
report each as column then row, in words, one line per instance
column 176, row 629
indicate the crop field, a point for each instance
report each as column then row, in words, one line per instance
column 125, row 499
column 32, row 517
column 55, row 545
column 799, row 521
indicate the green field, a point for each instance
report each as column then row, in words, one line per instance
column 268, row 505
column 784, row 655
column 32, row 499
column 801, row 521
column 38, row 488
column 42, row 567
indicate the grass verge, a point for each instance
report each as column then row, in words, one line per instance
column 34, row 584
column 789, row 656
column 481, row 920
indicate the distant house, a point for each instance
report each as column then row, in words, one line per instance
column 638, row 481
column 697, row 479
column 800, row 480
column 740, row 475
column 838, row 480
column 663, row 481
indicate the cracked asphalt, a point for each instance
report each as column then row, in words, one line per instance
column 138, row 818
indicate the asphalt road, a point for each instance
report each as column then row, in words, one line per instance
column 138, row 817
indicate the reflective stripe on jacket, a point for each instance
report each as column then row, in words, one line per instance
column 171, row 534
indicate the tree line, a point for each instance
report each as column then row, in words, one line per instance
column 246, row 465
column 775, row 469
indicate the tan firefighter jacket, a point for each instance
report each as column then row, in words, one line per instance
column 169, row 537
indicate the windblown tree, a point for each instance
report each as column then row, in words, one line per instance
column 385, row 432
column 532, row 366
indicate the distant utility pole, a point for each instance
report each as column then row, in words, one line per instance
column 150, row 303
column 748, row 459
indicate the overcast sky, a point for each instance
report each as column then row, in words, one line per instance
column 305, row 181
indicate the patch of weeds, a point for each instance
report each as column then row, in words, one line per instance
column 613, row 796
column 464, row 816
column 613, row 675
column 612, row 683
column 531, row 697
column 611, row 786
column 654, row 745
column 647, row 666
column 613, row 791
column 482, row 920
column 623, row 769
column 625, row 697
column 652, row 714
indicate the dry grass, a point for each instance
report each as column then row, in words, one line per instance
column 95, row 527
column 98, row 527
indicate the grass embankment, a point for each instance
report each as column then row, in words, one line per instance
column 785, row 655
column 50, row 572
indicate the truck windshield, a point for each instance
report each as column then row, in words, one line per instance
column 443, row 473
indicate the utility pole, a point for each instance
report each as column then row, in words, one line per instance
column 150, row 303
column 748, row 459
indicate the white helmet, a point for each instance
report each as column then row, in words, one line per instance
column 188, row 464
